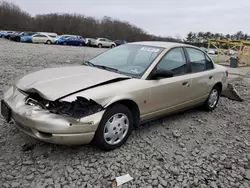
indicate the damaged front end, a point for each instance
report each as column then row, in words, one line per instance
column 77, row 109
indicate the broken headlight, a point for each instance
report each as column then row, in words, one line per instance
column 79, row 108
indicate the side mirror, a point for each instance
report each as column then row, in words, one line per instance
column 158, row 74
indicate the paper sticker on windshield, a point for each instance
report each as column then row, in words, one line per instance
column 148, row 49
column 136, row 71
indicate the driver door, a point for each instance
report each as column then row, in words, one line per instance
column 171, row 94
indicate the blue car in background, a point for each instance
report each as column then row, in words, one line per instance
column 27, row 36
column 4, row 34
column 71, row 40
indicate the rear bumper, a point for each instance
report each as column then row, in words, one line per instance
column 49, row 127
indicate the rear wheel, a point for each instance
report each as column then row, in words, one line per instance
column 99, row 45
column 115, row 127
column 80, row 44
column 65, row 43
column 213, row 98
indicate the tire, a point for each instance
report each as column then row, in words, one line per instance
column 99, row 45
column 48, row 42
column 65, row 43
column 80, row 44
column 213, row 98
column 112, row 46
column 124, row 127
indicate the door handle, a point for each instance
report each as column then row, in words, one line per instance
column 210, row 77
column 185, row 83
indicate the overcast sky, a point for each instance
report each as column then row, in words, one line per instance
column 160, row 17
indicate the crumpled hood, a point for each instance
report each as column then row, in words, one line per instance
column 54, row 83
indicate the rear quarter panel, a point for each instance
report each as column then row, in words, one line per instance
column 220, row 76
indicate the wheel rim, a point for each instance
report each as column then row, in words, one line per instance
column 213, row 98
column 116, row 129
column 100, row 45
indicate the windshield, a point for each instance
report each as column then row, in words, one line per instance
column 129, row 59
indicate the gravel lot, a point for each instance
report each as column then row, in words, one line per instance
column 191, row 149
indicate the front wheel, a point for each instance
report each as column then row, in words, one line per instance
column 115, row 127
column 48, row 42
column 99, row 45
column 112, row 46
column 212, row 100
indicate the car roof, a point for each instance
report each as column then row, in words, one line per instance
column 161, row 44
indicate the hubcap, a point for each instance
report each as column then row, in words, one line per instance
column 213, row 98
column 116, row 129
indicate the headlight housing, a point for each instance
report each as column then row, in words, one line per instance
column 79, row 108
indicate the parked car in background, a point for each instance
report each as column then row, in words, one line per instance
column 5, row 34
column 8, row 35
column 75, row 41
column 43, row 38
column 67, row 35
column 27, row 36
column 16, row 36
column 211, row 51
column 103, row 42
column 2, row 31
column 120, row 42
column 53, row 35
column 104, row 99
column 89, row 41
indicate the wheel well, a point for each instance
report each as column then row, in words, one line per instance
column 133, row 107
column 219, row 85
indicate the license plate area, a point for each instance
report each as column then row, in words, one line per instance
column 5, row 111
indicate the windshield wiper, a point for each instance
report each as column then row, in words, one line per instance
column 100, row 66
column 106, row 68
column 88, row 64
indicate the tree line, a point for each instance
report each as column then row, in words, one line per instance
column 201, row 37
column 13, row 18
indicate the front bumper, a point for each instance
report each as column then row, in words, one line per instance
column 49, row 127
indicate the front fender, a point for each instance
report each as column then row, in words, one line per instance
column 108, row 102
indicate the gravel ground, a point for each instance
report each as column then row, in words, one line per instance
column 191, row 149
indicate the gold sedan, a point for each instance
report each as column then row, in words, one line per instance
column 104, row 99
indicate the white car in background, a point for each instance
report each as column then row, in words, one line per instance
column 103, row 42
column 211, row 52
column 43, row 38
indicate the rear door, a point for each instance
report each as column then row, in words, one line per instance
column 201, row 72
column 170, row 94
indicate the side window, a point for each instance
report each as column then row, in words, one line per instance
column 197, row 60
column 101, row 40
column 174, row 61
column 209, row 63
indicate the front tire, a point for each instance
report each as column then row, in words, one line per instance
column 115, row 127
column 48, row 42
column 212, row 100
column 99, row 45
column 112, row 46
